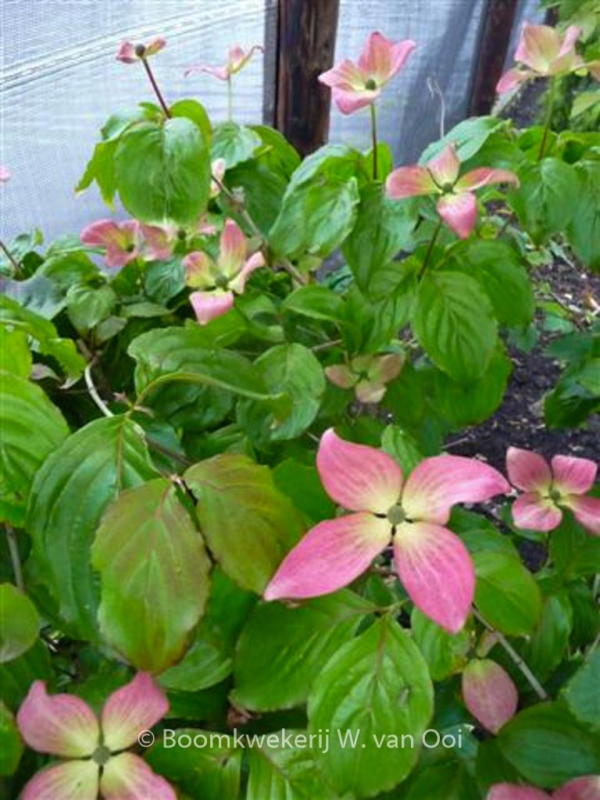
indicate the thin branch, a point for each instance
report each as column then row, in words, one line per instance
column 15, row 558
column 11, row 258
column 93, row 392
column 515, row 657
column 155, row 86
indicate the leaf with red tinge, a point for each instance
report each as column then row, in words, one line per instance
column 489, row 693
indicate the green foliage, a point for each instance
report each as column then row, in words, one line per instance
column 145, row 539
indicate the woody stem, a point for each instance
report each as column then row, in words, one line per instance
column 154, row 85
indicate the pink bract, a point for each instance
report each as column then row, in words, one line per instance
column 457, row 205
column 129, row 52
column 355, row 86
column 543, row 52
column 237, row 59
column 489, row 693
column 549, row 488
column 64, row 725
column 218, row 282
column 432, row 562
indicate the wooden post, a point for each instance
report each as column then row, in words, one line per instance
column 495, row 38
column 307, row 31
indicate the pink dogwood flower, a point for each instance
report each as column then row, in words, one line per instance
column 548, row 488
column 129, row 53
column 584, row 788
column 64, row 725
column 236, row 60
column 126, row 241
column 543, row 53
column 489, row 693
column 355, row 86
column 457, row 205
column 432, row 562
column 4, row 174
column 220, row 281
column 367, row 375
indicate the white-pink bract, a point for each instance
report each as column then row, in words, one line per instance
column 432, row 562
column 489, row 693
column 220, row 281
column 129, row 52
column 549, row 488
column 237, row 59
column 64, row 725
column 126, row 241
column 543, row 53
column 355, row 86
column 457, row 205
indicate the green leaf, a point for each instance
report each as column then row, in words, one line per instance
column 302, row 484
column 550, row 640
column 506, row 593
column 15, row 356
column 285, row 770
column 293, row 370
column 383, row 228
column 163, row 171
column 454, row 322
column 210, row 658
column 468, row 404
column 574, row 552
column 11, row 746
column 584, row 229
column 444, row 781
column 548, row 746
column 194, row 111
column 582, row 692
column 278, row 152
column 19, row 623
column 262, row 190
column 37, row 294
column 180, row 355
column 403, row 447
column 377, row 688
column 49, row 343
column 17, row 676
column 69, row 496
column 282, row 650
column 315, row 218
column 498, row 269
column 248, row 524
column 209, row 769
column 32, row 428
column 335, row 161
column 547, row 199
column 154, row 575
column 164, row 279
column 468, row 137
column 101, row 169
column 316, row 302
column 444, row 653
column 87, row 306
column 233, row 143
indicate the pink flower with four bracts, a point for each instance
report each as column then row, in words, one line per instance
column 457, row 205
column 584, row 788
column 432, row 562
column 367, row 375
column 543, row 53
column 129, row 53
column 355, row 86
column 64, row 725
column 548, row 488
column 220, row 281
column 126, row 241
column 236, row 60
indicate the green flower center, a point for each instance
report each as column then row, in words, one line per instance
column 396, row 515
column 221, row 282
column 101, row 755
column 140, row 50
column 448, row 188
column 554, row 495
column 371, row 85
